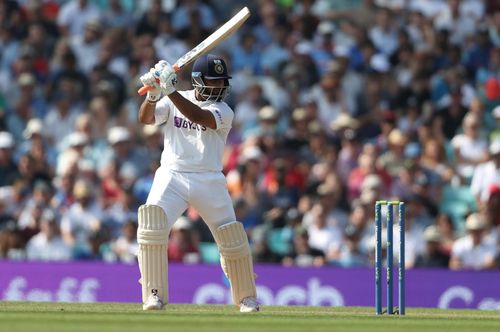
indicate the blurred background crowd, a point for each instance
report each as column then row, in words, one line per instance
column 337, row 104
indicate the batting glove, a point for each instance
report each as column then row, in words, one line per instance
column 152, row 78
column 168, row 80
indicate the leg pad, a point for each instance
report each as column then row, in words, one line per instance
column 152, row 236
column 236, row 260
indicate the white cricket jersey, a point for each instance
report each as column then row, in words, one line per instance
column 190, row 147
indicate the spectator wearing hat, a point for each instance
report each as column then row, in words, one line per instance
column 36, row 144
column 268, row 123
column 82, row 218
column 487, row 174
column 183, row 242
column 48, row 245
column 123, row 151
column 350, row 148
column 296, row 136
column 27, row 89
column 472, row 251
column 153, row 141
column 433, row 256
column 393, row 159
column 67, row 160
column 247, row 174
column 8, row 168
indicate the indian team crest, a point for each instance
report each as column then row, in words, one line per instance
column 218, row 67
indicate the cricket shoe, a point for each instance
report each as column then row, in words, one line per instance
column 154, row 302
column 249, row 304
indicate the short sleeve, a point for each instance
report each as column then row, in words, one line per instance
column 223, row 115
column 162, row 111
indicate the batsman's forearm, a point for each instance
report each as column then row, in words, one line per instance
column 147, row 112
column 192, row 111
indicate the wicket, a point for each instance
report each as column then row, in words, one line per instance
column 378, row 256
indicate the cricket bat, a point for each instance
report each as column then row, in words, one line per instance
column 209, row 43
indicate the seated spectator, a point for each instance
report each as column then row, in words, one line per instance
column 352, row 253
column 434, row 158
column 125, row 247
column 83, row 216
column 302, row 254
column 393, row 159
column 433, row 255
column 472, row 251
column 183, row 243
column 487, row 174
column 8, row 168
column 48, row 244
column 323, row 236
column 446, row 228
column 366, row 166
column 12, row 242
column 470, row 148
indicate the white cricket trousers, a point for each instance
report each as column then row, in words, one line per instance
column 207, row 192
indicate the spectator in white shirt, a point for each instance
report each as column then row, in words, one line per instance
column 48, row 245
column 473, row 251
column 470, row 148
column 487, row 174
column 125, row 247
column 74, row 15
column 383, row 34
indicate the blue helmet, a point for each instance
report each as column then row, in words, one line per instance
column 210, row 67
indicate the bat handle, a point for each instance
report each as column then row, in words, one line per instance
column 144, row 89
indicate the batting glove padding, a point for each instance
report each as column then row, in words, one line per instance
column 168, row 79
column 152, row 78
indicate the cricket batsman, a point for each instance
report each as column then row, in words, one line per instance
column 195, row 124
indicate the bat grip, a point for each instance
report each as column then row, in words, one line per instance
column 144, row 89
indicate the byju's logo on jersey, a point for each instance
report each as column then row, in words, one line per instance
column 183, row 123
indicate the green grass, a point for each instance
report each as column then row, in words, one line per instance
column 107, row 317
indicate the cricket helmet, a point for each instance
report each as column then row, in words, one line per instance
column 210, row 67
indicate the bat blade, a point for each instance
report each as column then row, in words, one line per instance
column 209, row 43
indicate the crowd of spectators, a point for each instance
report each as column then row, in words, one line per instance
column 337, row 104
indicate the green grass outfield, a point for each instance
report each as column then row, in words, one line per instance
column 107, row 317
